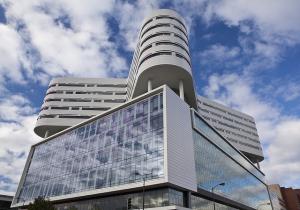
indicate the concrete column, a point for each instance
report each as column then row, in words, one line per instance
column 181, row 90
column 149, row 85
column 46, row 134
column 258, row 166
column 188, row 200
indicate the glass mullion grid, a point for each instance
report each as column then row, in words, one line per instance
column 73, row 162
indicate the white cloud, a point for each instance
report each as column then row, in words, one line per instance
column 60, row 37
column 70, row 37
column 278, row 133
column 220, row 56
column 283, row 163
column 289, row 92
column 269, row 19
column 12, row 107
column 17, row 121
column 269, row 16
column 130, row 17
column 220, row 52
column 15, row 142
column 266, row 27
column 10, row 54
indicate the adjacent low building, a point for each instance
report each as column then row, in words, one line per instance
column 285, row 197
column 277, row 198
column 291, row 198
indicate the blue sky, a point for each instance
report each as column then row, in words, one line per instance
column 245, row 54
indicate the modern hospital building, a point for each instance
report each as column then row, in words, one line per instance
column 146, row 141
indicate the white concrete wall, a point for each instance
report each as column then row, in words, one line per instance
column 179, row 148
column 100, row 94
column 217, row 114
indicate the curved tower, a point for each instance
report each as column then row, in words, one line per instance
column 162, row 57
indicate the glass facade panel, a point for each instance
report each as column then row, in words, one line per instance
column 203, row 204
column 153, row 198
column 203, row 127
column 116, row 149
column 277, row 205
column 213, row 166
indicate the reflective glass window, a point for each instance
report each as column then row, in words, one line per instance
column 203, row 204
column 153, row 198
column 118, row 148
column 213, row 166
column 203, row 127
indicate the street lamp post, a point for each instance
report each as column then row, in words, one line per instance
column 143, row 203
column 213, row 195
column 144, row 183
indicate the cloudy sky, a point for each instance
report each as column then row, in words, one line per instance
column 245, row 54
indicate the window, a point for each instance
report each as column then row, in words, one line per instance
column 53, row 99
column 155, row 35
column 201, row 126
column 172, row 18
column 233, row 174
column 60, row 108
column 114, row 101
column 155, row 26
column 154, row 104
column 120, row 93
column 71, row 85
column 142, row 109
column 76, row 100
column 105, row 152
column 128, row 114
column 153, row 55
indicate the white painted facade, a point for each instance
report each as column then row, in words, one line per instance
column 69, row 101
column 237, row 127
column 179, row 141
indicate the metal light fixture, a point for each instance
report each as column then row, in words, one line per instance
column 213, row 195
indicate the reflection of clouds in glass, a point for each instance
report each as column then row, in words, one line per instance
column 214, row 166
column 216, row 139
column 116, row 149
column 203, row 204
column 153, row 198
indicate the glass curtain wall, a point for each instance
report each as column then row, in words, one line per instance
column 214, row 166
column 204, row 128
column 203, row 204
column 153, row 198
column 119, row 148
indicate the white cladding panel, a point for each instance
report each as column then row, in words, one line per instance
column 180, row 144
column 70, row 101
column 237, row 127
